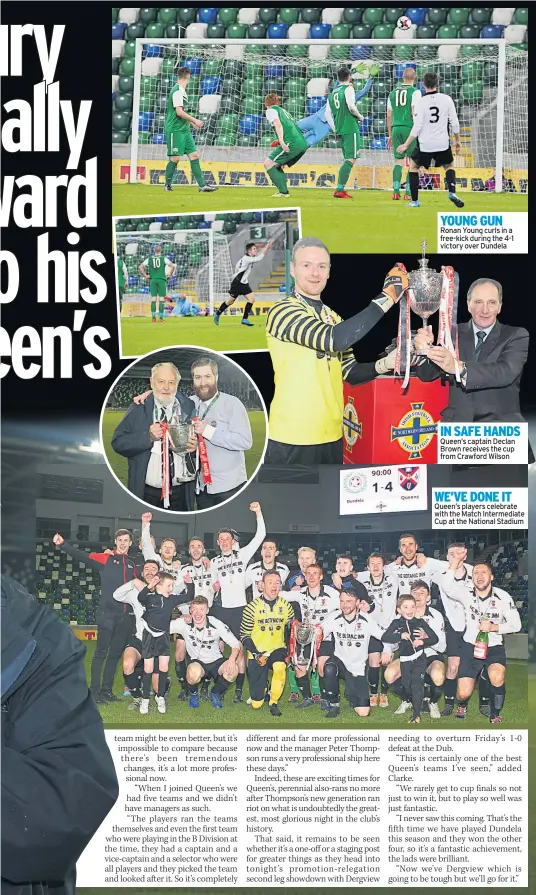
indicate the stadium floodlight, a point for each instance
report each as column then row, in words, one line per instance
column 487, row 79
column 203, row 268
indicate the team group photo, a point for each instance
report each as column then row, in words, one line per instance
column 260, row 627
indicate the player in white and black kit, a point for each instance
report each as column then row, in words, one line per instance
column 454, row 627
column 268, row 563
column 434, row 121
column 382, row 588
column 433, row 667
column 240, row 284
column 489, row 609
column 314, row 602
column 344, row 653
column 412, row 565
column 202, row 635
column 197, row 572
column 229, row 583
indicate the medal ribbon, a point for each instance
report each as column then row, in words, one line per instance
column 448, row 328
column 202, row 445
column 403, row 339
column 166, row 482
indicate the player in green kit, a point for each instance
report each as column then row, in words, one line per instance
column 343, row 117
column 292, row 144
column 154, row 270
column 178, row 129
column 400, row 111
column 122, row 280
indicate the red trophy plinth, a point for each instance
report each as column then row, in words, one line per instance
column 384, row 425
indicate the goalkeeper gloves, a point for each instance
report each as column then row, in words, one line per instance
column 396, row 283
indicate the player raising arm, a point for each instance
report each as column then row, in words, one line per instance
column 240, row 284
column 343, row 117
column 311, row 351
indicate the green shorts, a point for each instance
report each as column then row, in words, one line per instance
column 400, row 135
column 180, row 143
column 158, row 288
column 350, row 144
column 295, row 153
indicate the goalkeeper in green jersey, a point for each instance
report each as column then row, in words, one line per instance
column 157, row 269
column 178, row 131
column 344, row 117
column 401, row 107
column 292, row 144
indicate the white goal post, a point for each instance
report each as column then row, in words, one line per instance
column 202, row 259
column 487, row 79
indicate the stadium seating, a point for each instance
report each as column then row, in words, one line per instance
column 278, row 23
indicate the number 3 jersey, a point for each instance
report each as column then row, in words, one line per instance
column 351, row 639
column 203, row 643
column 498, row 607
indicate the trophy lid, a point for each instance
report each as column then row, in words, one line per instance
column 426, row 285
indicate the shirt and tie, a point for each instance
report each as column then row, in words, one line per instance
column 480, row 337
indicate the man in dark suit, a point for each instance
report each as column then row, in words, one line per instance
column 491, row 360
column 138, row 437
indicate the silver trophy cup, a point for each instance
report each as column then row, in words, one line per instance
column 426, row 286
column 180, row 436
column 304, row 637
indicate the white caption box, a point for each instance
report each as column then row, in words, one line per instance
column 383, row 489
column 485, row 443
column 480, row 507
column 483, row 232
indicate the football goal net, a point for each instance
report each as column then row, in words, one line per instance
column 486, row 78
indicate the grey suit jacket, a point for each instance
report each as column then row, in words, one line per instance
column 492, row 386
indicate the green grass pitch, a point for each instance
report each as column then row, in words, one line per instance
column 369, row 223
column 242, row 716
column 111, row 419
column 139, row 335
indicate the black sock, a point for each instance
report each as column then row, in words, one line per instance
column 463, row 703
column 223, row 307
column 304, row 686
column 240, row 681
column 146, row 687
column 204, row 684
column 133, row 683
column 220, row 686
column 398, row 689
column 247, row 310
column 414, row 185
column 426, row 686
column 497, row 702
column 450, row 180
column 435, row 693
column 162, row 683
column 191, row 688
column 484, row 690
column 180, row 671
column 374, row 680
column 449, row 689
column 384, row 686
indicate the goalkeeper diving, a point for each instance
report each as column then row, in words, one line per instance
column 316, row 128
